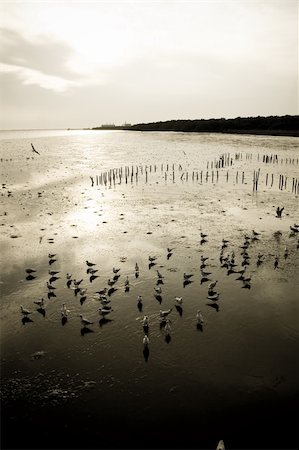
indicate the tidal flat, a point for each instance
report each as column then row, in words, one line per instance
column 100, row 218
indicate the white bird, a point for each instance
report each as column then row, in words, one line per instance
column 40, row 302
column 145, row 341
column 199, row 317
column 105, row 310
column 64, row 311
column 68, row 276
column 24, row 311
column 167, row 327
column 85, row 321
column 104, row 301
column 179, row 300
column 145, row 321
column 165, row 313
column 139, row 299
column 212, row 285
column 158, row 289
column 214, row 296
column 220, row 445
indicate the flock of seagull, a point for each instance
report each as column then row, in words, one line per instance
column 227, row 261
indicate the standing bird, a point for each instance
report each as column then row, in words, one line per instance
column 85, row 321
column 90, row 264
column 146, row 341
column 167, row 327
column 145, row 322
column 40, row 303
column 164, row 314
column 24, row 311
column 179, row 300
column 211, row 287
column 199, row 317
column 64, row 311
column 276, row 262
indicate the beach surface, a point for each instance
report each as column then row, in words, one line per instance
column 114, row 199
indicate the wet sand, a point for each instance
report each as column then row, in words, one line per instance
column 235, row 376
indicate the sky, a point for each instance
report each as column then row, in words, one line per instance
column 74, row 64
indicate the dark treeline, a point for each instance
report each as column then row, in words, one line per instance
column 274, row 125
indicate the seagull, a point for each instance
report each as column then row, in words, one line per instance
column 139, row 299
column 199, row 317
column 51, row 256
column 203, row 236
column 104, row 301
column 145, row 322
column 188, row 276
column 255, row 233
column 136, row 268
column 170, row 250
column 105, row 310
column 145, row 341
column 212, row 285
column 115, row 270
column 33, row 149
column 49, row 286
column 68, row 276
column 204, row 258
column 167, row 327
column 53, row 272
column 158, row 289
column 276, row 262
column 40, row 302
column 286, row 252
column 213, row 296
column 152, row 258
column 102, row 292
column 25, row 312
column 64, row 311
column 90, row 264
column 179, row 300
column 85, row 321
column 220, row 445
column 159, row 275
column 30, row 270
column 165, row 313
column 127, row 282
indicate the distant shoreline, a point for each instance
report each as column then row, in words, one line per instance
column 271, row 125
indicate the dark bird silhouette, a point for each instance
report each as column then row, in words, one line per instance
column 33, row 149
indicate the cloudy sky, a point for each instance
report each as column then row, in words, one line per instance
column 82, row 64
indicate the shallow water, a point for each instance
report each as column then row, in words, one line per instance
column 235, row 379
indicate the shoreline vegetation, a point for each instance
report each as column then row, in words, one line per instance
column 270, row 125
